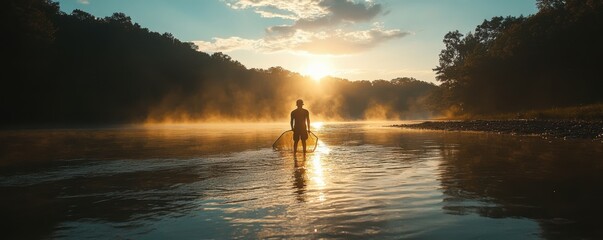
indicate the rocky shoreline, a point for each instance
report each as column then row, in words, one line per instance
column 564, row 129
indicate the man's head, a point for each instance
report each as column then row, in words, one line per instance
column 299, row 102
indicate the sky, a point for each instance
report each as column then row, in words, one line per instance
column 352, row 39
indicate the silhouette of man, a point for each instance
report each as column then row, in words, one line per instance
column 299, row 118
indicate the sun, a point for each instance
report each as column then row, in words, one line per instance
column 318, row 70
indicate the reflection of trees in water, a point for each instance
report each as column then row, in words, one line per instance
column 36, row 211
column 558, row 184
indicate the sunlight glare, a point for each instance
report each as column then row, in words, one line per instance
column 317, row 171
column 318, row 70
column 322, row 148
column 317, row 125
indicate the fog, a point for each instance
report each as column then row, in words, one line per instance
column 270, row 95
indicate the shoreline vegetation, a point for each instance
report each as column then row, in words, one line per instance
column 590, row 112
column 581, row 122
column 546, row 128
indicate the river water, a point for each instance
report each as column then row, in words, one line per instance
column 365, row 180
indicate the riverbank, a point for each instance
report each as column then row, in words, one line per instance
column 564, row 129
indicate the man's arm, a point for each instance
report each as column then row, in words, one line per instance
column 291, row 122
column 308, row 121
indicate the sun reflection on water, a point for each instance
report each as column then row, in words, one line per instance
column 317, row 170
column 322, row 148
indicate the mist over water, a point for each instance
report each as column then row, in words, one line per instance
column 223, row 181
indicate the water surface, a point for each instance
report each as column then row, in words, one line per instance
column 364, row 181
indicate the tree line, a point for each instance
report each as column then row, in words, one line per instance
column 77, row 68
column 509, row 64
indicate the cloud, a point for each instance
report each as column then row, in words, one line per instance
column 336, row 12
column 319, row 27
column 226, row 44
column 337, row 42
column 268, row 14
column 280, row 8
column 344, row 10
column 349, row 42
column 86, row 2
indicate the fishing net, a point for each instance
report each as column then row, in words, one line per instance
column 285, row 142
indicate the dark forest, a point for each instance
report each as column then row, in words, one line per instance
column 511, row 64
column 77, row 68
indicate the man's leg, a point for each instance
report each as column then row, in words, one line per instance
column 304, row 144
column 295, row 141
column 295, row 145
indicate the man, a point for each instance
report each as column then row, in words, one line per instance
column 300, row 129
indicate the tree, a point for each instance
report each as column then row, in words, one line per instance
column 82, row 16
column 522, row 63
column 450, row 57
column 547, row 5
column 120, row 19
